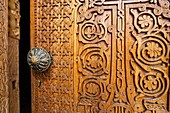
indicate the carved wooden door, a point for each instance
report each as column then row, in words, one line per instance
column 109, row 56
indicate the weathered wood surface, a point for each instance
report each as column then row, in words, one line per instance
column 4, row 90
column 13, row 54
column 9, row 54
column 109, row 56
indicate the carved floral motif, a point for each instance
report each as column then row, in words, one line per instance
column 118, row 59
column 144, row 21
column 150, row 53
column 154, row 50
column 150, row 83
column 92, row 88
column 95, row 62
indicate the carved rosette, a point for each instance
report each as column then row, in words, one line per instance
column 100, row 48
column 109, row 55
column 149, row 28
column 94, row 51
column 144, row 70
column 93, row 60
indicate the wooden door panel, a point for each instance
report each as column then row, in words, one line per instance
column 147, row 57
column 109, row 56
column 52, row 29
column 96, row 58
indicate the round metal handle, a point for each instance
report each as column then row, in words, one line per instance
column 39, row 59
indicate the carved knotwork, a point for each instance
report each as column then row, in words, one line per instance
column 52, row 30
column 111, row 54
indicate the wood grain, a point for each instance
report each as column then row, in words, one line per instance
column 13, row 55
column 109, row 56
column 4, row 90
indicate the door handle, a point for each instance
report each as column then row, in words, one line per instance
column 39, row 59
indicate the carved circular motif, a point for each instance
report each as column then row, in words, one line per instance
column 153, row 50
column 152, row 84
column 92, row 31
column 91, row 88
column 144, row 21
column 39, row 59
column 93, row 61
column 88, row 31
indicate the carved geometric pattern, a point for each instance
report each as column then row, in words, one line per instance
column 109, row 56
column 53, row 90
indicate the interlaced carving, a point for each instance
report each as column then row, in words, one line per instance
column 102, row 88
column 95, row 36
column 53, row 31
column 120, row 52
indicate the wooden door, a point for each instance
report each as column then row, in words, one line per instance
column 109, row 56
